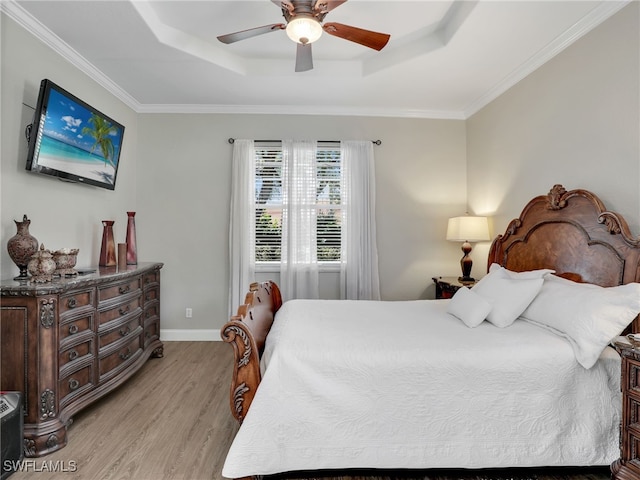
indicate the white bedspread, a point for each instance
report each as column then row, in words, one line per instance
column 359, row 384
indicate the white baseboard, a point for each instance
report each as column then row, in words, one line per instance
column 179, row 335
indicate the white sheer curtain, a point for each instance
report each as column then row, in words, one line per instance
column 359, row 279
column 299, row 271
column 242, row 223
column 299, row 262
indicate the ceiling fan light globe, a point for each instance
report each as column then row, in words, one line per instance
column 304, row 30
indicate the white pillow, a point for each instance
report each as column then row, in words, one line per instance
column 469, row 307
column 588, row 315
column 522, row 275
column 509, row 296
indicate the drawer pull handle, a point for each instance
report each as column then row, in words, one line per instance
column 125, row 331
column 72, row 303
column 124, row 289
column 74, row 384
column 125, row 310
column 124, row 356
column 73, row 329
column 73, row 354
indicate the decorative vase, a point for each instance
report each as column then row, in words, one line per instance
column 132, row 252
column 65, row 259
column 108, row 248
column 22, row 246
column 41, row 266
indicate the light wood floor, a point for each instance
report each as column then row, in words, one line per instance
column 171, row 421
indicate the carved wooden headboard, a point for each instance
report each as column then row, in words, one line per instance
column 572, row 233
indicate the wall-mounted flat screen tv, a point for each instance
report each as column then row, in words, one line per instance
column 73, row 141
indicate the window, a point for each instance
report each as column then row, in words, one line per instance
column 301, row 206
column 268, row 205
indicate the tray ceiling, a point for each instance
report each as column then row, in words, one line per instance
column 445, row 59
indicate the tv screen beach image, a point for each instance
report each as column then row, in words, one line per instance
column 72, row 139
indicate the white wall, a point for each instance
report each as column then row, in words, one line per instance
column 574, row 121
column 184, row 177
column 62, row 214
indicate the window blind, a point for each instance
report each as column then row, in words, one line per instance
column 326, row 176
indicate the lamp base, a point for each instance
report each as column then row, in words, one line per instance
column 466, row 263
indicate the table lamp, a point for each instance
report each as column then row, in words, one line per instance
column 467, row 229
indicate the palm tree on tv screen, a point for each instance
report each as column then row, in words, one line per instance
column 101, row 131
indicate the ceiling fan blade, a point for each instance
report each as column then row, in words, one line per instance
column 251, row 32
column 304, row 57
column 324, row 6
column 370, row 39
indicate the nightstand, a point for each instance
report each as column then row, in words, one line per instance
column 627, row 467
column 446, row 287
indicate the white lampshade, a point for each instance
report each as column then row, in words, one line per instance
column 304, row 29
column 468, row 229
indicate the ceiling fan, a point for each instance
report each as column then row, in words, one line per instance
column 304, row 26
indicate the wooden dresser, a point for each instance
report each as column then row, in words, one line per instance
column 627, row 467
column 69, row 342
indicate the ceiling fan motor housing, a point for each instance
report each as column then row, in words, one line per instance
column 304, row 28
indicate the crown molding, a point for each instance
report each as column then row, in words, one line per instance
column 51, row 40
column 599, row 14
column 325, row 110
column 594, row 18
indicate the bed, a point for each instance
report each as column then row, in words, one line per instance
column 515, row 372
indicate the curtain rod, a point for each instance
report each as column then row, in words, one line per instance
column 375, row 142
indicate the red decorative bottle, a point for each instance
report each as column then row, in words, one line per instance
column 132, row 252
column 108, row 248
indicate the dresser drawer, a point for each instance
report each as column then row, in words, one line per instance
column 131, row 286
column 632, row 411
column 76, row 352
column 120, row 311
column 152, row 294
column 76, row 326
column 75, row 301
column 151, row 278
column 119, row 357
column 75, row 383
column 127, row 328
column 632, row 383
column 151, row 310
column 633, row 462
column 151, row 332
